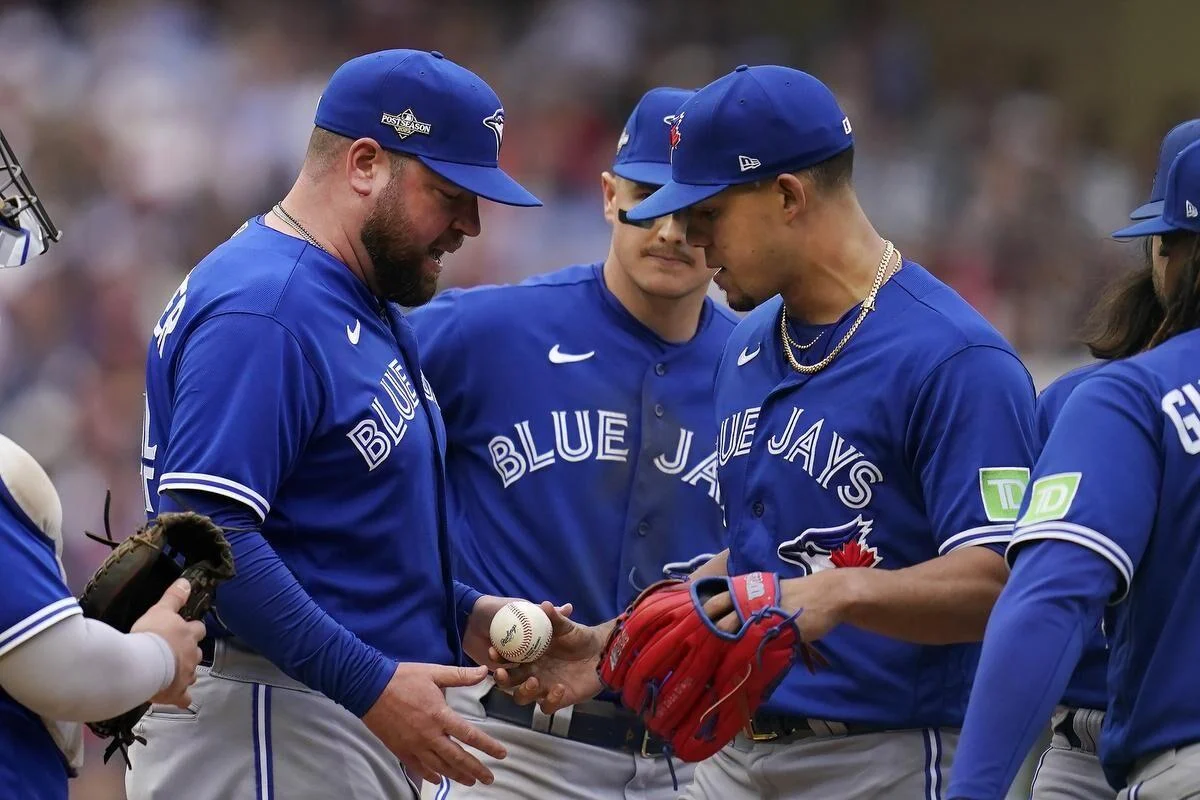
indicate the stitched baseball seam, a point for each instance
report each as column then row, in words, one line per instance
column 527, row 639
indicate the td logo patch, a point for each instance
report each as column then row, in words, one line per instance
column 1051, row 497
column 1002, row 489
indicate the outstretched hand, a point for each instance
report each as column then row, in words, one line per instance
column 566, row 673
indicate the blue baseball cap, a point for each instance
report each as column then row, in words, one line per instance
column 644, row 149
column 424, row 105
column 1176, row 139
column 1180, row 210
column 753, row 123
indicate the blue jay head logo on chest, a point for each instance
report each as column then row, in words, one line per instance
column 819, row 549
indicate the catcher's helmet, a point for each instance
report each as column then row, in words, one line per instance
column 26, row 229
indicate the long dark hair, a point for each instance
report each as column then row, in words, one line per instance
column 1127, row 316
column 1183, row 295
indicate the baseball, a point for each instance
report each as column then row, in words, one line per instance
column 520, row 631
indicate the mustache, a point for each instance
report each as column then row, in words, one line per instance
column 668, row 252
column 448, row 245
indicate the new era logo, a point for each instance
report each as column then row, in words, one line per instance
column 746, row 163
column 1190, row 210
column 406, row 124
column 846, row 125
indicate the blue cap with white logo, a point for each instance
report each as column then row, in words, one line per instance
column 1181, row 204
column 644, row 149
column 424, row 105
column 1176, row 139
column 755, row 122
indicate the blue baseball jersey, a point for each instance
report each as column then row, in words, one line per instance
column 914, row 442
column 275, row 378
column 33, row 596
column 581, row 446
column 1086, row 689
column 1120, row 475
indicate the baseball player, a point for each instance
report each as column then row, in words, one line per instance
column 875, row 437
column 44, row 695
column 581, row 457
column 1123, row 323
column 285, row 400
column 1109, row 529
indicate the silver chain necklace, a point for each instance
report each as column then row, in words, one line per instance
column 297, row 227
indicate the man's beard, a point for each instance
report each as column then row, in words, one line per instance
column 399, row 263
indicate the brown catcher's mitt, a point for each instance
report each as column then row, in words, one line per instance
column 134, row 577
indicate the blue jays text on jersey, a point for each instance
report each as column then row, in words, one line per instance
column 1119, row 475
column 1086, row 688
column 276, row 379
column 914, row 442
column 580, row 448
column 33, row 597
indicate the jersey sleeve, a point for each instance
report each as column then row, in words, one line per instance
column 971, row 438
column 444, row 358
column 1098, row 478
column 245, row 402
column 33, row 595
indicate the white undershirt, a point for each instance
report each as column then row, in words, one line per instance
column 81, row 670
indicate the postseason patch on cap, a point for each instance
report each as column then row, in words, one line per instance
column 406, row 124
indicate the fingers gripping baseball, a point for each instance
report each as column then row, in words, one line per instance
column 566, row 673
column 521, row 631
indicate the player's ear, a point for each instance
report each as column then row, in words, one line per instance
column 367, row 166
column 608, row 190
column 792, row 193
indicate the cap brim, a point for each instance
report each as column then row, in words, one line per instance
column 1148, row 210
column 672, row 197
column 1147, row 227
column 652, row 172
column 492, row 183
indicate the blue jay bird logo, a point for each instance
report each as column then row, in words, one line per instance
column 676, row 569
column 496, row 124
column 818, row 549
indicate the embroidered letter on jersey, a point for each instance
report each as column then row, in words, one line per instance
column 1182, row 407
column 824, row 455
column 374, row 436
column 579, row 436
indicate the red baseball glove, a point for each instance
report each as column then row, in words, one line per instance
column 695, row 685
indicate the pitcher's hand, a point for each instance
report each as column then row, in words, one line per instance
column 412, row 719
column 565, row 674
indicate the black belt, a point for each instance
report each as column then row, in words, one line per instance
column 207, row 649
column 767, row 727
column 1066, row 728
column 597, row 723
column 608, row 725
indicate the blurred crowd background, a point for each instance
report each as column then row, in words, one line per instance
column 998, row 144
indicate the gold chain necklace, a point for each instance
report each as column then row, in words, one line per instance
column 799, row 346
column 868, row 306
column 297, row 227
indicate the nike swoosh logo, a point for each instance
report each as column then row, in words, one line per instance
column 559, row 357
column 353, row 333
column 745, row 357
